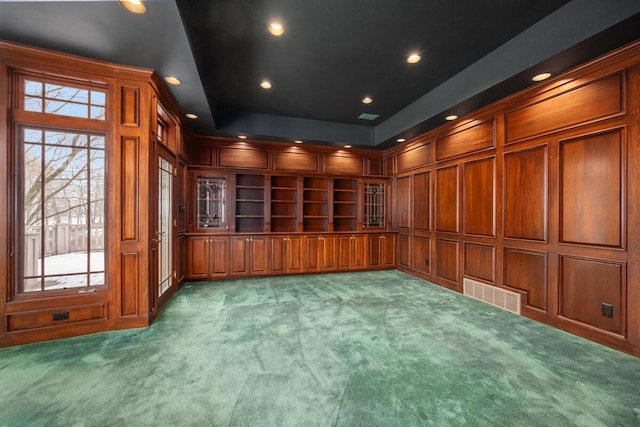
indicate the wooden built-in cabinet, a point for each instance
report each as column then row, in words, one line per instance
column 320, row 253
column 287, row 254
column 249, row 255
column 207, row 257
column 352, row 251
column 381, row 250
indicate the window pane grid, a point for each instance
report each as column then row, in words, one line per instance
column 64, row 184
column 62, row 100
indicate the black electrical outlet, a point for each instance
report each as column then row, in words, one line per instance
column 426, row 262
column 607, row 310
column 61, row 316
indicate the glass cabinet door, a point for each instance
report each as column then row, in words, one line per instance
column 211, row 194
column 374, row 205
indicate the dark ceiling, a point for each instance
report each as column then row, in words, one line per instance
column 332, row 54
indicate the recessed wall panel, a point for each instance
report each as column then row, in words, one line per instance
column 480, row 261
column 592, row 196
column 422, row 201
column 475, row 138
column 525, row 194
column 585, row 285
column 422, row 254
column 447, row 259
column 527, row 272
column 402, row 201
column 129, row 162
column 446, row 199
column 479, row 197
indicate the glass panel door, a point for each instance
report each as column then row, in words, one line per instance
column 164, row 220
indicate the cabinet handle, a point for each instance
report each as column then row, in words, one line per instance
column 251, row 240
column 247, row 239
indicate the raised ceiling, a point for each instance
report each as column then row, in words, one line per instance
column 332, row 54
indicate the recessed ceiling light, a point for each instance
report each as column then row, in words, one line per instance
column 414, row 58
column 347, row 146
column 401, row 139
column 173, row 80
column 276, row 29
column 191, row 116
column 298, row 141
column 242, row 136
column 367, row 100
column 451, row 117
column 265, row 84
column 540, row 77
column 135, row 6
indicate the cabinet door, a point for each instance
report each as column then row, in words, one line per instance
column 344, row 252
column 239, row 254
column 328, row 253
column 376, row 248
column 258, row 255
column 277, row 254
column 197, row 262
column 313, row 253
column 219, row 256
column 388, row 251
column 359, row 252
column 295, row 254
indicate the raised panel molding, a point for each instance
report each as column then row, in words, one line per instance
column 446, row 199
column 336, row 163
column 525, row 172
column 130, row 107
column 446, row 256
column 526, row 271
column 476, row 138
column 599, row 99
column 480, row 261
column 414, row 157
column 402, row 201
column 239, row 157
column 479, row 197
column 422, row 254
column 422, row 201
column 294, row 161
column 129, row 163
column 591, row 189
column 128, row 284
column 587, row 284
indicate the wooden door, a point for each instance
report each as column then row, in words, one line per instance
column 277, row 254
column 257, row 255
column 239, row 254
column 328, row 256
column 375, row 251
column 218, row 256
column 295, row 254
column 359, row 252
column 313, row 253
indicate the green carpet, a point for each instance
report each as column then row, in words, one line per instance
column 350, row 349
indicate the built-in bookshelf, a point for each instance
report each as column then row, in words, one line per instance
column 345, row 204
column 250, row 203
column 315, row 210
column 284, row 204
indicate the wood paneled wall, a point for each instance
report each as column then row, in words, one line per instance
column 125, row 302
column 536, row 193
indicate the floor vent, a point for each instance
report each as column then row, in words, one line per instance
column 499, row 297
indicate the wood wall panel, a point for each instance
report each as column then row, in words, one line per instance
column 207, row 156
column 446, row 259
column 422, row 254
column 585, row 285
column 404, row 243
column 480, row 261
column 414, row 157
column 402, row 201
column 446, row 199
column 527, row 271
column 479, row 197
column 422, row 201
column 239, row 157
column 525, row 173
column 130, row 161
column 336, row 163
column 389, row 165
column 130, row 107
column 128, row 284
column 591, row 170
column 476, row 138
column 375, row 166
column 296, row 161
column 599, row 99
column 41, row 319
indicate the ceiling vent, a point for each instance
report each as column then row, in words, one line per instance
column 367, row 116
